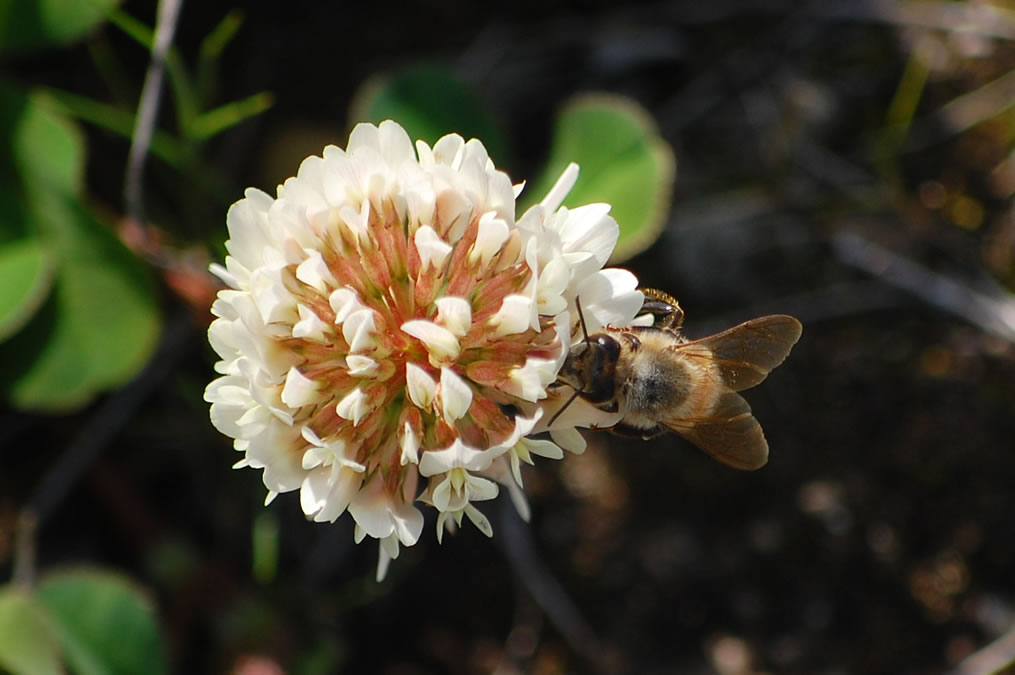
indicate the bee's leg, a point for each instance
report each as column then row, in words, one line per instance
column 628, row 431
column 664, row 307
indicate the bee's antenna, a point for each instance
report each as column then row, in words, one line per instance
column 581, row 318
column 585, row 332
column 562, row 408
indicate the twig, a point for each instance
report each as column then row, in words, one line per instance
column 516, row 542
column 24, row 550
column 974, row 18
column 992, row 311
column 821, row 304
column 148, row 107
column 993, row 658
column 107, row 421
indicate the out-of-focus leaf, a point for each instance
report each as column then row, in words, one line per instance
column 106, row 624
column 121, row 122
column 28, row 643
column 215, row 121
column 429, row 102
column 99, row 324
column 26, row 277
column 27, row 24
column 45, row 148
column 624, row 162
column 95, row 331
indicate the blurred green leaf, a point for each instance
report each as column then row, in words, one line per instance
column 98, row 327
column 215, row 121
column 44, row 147
column 100, row 323
column 106, row 624
column 28, row 643
column 624, row 162
column 26, row 277
column 264, row 547
column 27, row 24
column 121, row 122
column 429, row 102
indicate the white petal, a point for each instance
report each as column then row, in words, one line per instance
column 513, row 316
column 609, row 297
column 300, row 390
column 456, row 396
column 408, row 523
column 314, row 271
column 590, row 229
column 440, row 342
column 310, row 326
column 553, row 280
column 359, row 331
column 344, row 301
column 433, row 250
column 543, row 448
column 569, row 439
column 455, row 314
column 555, row 197
column 360, row 366
column 481, row 489
column 357, row 221
column 354, row 406
column 226, row 276
column 530, row 381
column 422, row 388
column 384, row 558
column 481, row 522
column 410, row 445
column 492, row 234
column 458, row 455
column 395, row 144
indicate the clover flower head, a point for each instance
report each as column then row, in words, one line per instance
column 390, row 330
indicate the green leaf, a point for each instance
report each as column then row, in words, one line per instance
column 99, row 324
column 26, row 277
column 429, row 102
column 108, row 117
column 624, row 162
column 96, row 330
column 106, row 624
column 28, row 642
column 28, row 24
column 42, row 146
column 208, row 124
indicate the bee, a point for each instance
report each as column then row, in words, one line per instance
column 657, row 380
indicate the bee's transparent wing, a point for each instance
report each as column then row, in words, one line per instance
column 729, row 433
column 747, row 353
column 736, row 359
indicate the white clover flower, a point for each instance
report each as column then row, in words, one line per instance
column 388, row 323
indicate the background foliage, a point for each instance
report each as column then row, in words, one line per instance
column 849, row 163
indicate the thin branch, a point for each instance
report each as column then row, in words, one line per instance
column 108, row 420
column 992, row 310
column 516, row 542
column 996, row 657
column 954, row 17
column 148, row 107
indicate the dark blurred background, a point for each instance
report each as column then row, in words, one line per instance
column 880, row 536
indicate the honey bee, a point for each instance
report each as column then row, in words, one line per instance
column 657, row 380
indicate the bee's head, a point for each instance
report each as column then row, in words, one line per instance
column 590, row 366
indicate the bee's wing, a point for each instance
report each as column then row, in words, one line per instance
column 729, row 433
column 734, row 360
column 747, row 353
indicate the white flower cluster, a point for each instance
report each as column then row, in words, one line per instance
column 388, row 319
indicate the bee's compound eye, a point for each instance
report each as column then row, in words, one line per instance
column 608, row 347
